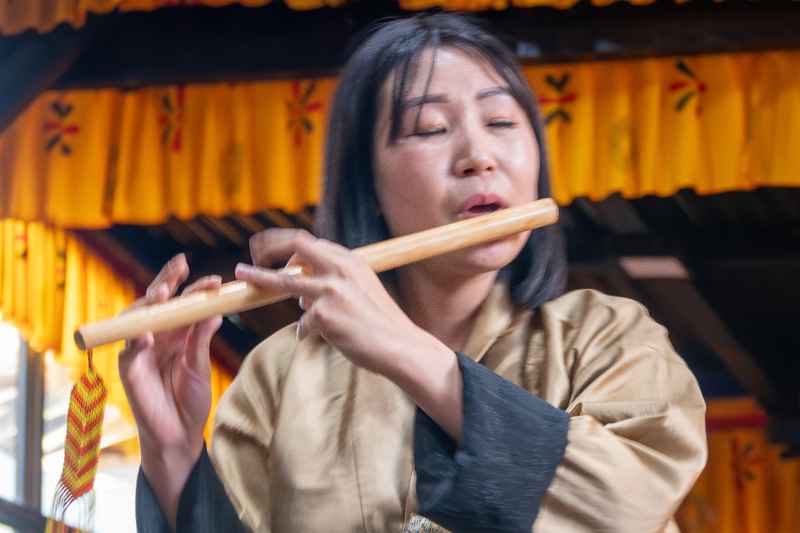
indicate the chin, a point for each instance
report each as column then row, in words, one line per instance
column 487, row 257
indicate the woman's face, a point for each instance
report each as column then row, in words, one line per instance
column 464, row 149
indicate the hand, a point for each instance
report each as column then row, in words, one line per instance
column 346, row 303
column 167, row 381
column 344, row 300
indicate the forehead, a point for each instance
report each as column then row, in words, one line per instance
column 449, row 70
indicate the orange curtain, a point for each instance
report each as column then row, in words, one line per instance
column 746, row 487
column 50, row 284
column 89, row 158
column 86, row 159
column 713, row 123
column 44, row 15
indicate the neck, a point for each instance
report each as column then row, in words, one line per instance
column 445, row 307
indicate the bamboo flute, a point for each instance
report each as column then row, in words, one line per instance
column 240, row 296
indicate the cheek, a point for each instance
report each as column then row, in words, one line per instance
column 523, row 168
column 410, row 189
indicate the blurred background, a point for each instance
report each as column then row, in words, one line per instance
column 131, row 130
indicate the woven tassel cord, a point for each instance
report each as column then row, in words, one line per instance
column 87, row 404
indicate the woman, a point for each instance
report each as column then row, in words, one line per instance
column 461, row 393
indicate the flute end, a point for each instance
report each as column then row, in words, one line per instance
column 79, row 340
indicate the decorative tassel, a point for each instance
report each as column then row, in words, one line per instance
column 54, row 526
column 87, row 404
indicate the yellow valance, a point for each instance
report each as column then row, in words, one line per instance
column 44, row 15
column 50, row 284
column 746, row 486
column 86, row 159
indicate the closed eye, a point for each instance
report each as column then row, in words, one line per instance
column 502, row 124
column 429, row 133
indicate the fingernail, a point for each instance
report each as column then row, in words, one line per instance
column 294, row 270
column 156, row 291
column 243, row 268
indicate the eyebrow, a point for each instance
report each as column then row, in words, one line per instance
column 442, row 99
column 493, row 91
column 424, row 99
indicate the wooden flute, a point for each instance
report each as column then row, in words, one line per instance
column 240, row 296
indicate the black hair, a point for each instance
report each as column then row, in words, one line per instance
column 348, row 212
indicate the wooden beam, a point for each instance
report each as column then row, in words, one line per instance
column 33, row 63
column 225, row 228
column 238, row 43
column 685, row 310
column 121, row 260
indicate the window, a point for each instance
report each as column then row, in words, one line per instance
column 9, row 408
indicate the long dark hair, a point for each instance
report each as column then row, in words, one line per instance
column 348, row 211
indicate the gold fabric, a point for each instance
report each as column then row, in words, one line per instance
column 305, row 441
column 91, row 158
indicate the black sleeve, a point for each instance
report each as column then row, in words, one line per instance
column 510, row 447
column 203, row 506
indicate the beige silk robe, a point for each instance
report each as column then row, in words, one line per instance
column 304, row 441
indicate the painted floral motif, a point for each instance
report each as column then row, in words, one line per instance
column 556, row 106
column 59, row 128
column 745, row 459
column 171, row 118
column 61, row 268
column 689, row 88
column 21, row 244
column 300, row 108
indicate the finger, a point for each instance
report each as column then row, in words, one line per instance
column 170, row 276
column 203, row 284
column 198, row 345
column 305, row 302
column 136, row 345
column 312, row 322
column 292, row 285
column 178, row 336
column 324, row 257
column 154, row 295
column 305, row 327
column 274, row 246
column 128, row 355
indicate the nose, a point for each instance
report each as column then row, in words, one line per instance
column 474, row 156
column 476, row 164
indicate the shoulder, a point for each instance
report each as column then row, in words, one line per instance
column 272, row 357
column 574, row 306
column 590, row 317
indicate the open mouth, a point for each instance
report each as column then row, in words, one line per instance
column 484, row 208
column 481, row 204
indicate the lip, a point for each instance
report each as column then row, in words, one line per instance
column 480, row 199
